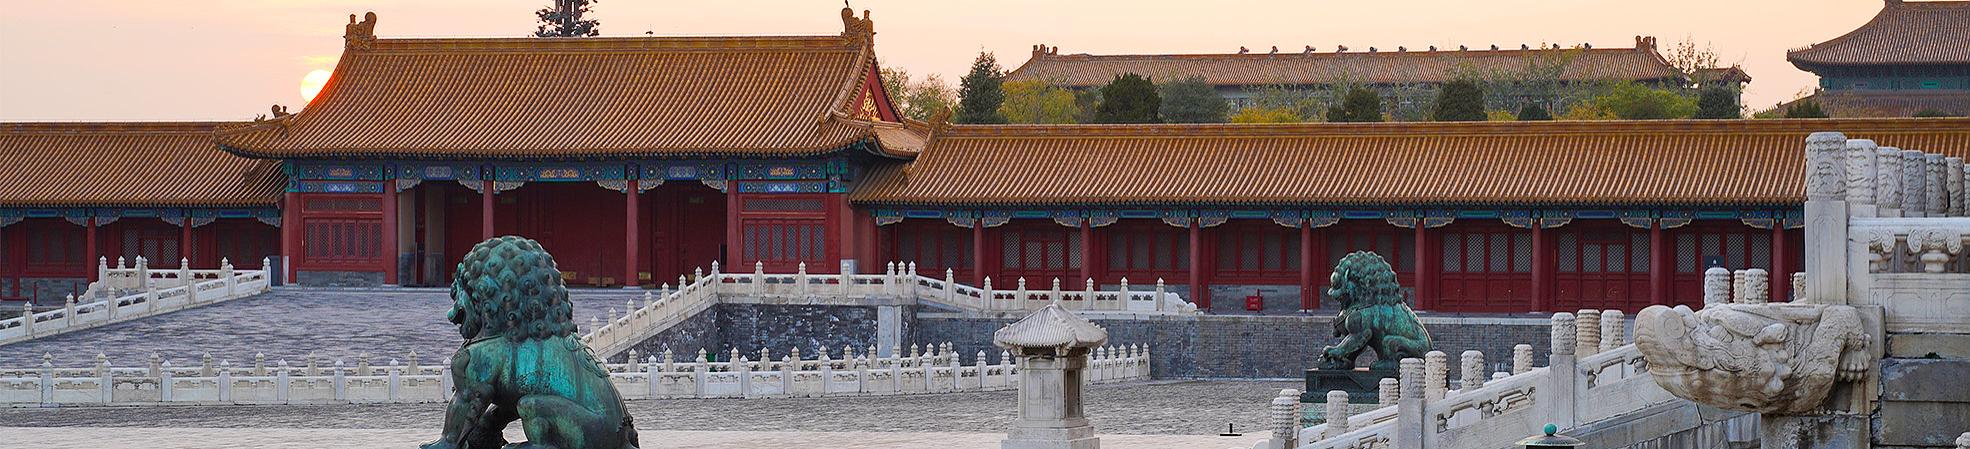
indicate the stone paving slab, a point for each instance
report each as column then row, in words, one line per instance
column 1153, row 408
column 288, row 322
column 230, row 438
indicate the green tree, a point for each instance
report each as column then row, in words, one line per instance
column 917, row 98
column 1359, row 105
column 1932, row 112
column 1258, row 114
column 1805, row 109
column 980, row 93
column 1192, row 100
column 1460, row 100
column 565, row 20
column 1717, row 102
column 1532, row 112
column 1634, row 101
column 1129, row 98
column 1035, row 101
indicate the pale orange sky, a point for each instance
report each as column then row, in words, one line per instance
column 230, row 59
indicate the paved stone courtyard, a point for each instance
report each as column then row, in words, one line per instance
column 1198, row 408
column 289, row 322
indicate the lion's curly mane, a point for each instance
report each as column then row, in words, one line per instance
column 1367, row 280
column 515, row 290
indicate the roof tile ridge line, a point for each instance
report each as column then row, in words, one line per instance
column 221, row 134
column 822, row 40
column 858, row 72
column 1878, row 17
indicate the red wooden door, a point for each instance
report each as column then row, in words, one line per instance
column 1601, row 267
column 1485, row 268
column 685, row 225
column 581, row 224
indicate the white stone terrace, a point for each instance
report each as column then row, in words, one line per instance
column 130, row 293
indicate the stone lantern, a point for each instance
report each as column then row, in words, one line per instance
column 1052, row 345
column 1552, row 439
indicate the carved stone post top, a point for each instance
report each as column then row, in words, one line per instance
column 1861, row 171
column 1411, row 374
column 1826, row 173
column 1563, row 331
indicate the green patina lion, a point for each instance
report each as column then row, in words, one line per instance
column 522, row 360
column 1373, row 315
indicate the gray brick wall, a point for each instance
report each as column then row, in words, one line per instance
column 684, row 340
column 749, row 327
column 1231, row 346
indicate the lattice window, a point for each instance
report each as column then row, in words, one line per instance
column 785, row 240
column 934, row 246
column 1639, row 252
column 1258, row 249
column 158, row 245
column 1522, row 253
column 1453, row 250
column 1569, row 252
column 1148, row 248
column 343, row 240
column 785, row 205
column 343, row 204
column 1687, row 259
column 1041, row 249
column 1393, row 245
column 54, row 247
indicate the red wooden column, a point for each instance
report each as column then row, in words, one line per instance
column 1542, row 269
column 485, row 210
column 734, row 242
column 1781, row 275
column 90, row 257
column 1309, row 295
column 290, row 234
column 630, row 228
column 1200, row 291
column 1425, row 286
column 184, row 239
column 979, row 273
column 391, row 253
column 1659, row 265
column 1088, row 258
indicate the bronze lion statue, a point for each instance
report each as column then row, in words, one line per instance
column 522, row 360
column 1373, row 315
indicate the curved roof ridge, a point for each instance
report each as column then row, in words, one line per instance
column 1921, row 26
column 1178, row 130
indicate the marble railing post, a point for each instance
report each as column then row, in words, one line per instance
column 1337, row 413
column 1915, row 184
column 1387, row 392
column 1757, row 287
column 1556, row 398
column 1935, row 185
column 1589, row 332
column 1436, row 372
column 1953, row 180
column 1471, row 371
column 1827, row 211
column 1409, row 405
column 1521, row 358
column 1716, row 286
column 1614, row 330
column 1861, row 175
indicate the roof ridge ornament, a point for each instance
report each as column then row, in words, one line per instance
column 859, row 31
column 360, row 35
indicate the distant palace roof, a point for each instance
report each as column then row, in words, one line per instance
column 550, row 98
column 1381, row 66
column 164, row 164
column 1903, row 33
column 1588, row 163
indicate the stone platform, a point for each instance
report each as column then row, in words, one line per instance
column 224, row 438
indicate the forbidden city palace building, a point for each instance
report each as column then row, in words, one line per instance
column 637, row 159
column 1913, row 56
column 1406, row 78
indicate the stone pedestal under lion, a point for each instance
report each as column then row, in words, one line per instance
column 522, row 360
